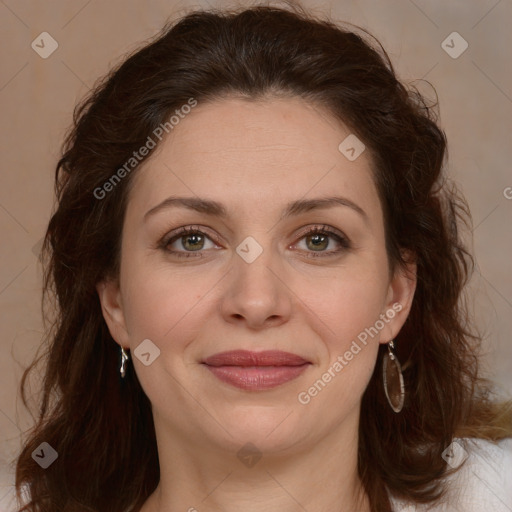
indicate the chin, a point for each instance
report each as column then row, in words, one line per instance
column 268, row 428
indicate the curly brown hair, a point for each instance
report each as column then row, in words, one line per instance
column 104, row 440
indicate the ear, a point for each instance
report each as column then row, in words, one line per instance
column 111, row 306
column 399, row 299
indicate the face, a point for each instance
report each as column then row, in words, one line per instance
column 283, row 250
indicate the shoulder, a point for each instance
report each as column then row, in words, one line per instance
column 482, row 483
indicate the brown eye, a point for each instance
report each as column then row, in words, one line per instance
column 187, row 241
column 323, row 241
column 317, row 242
column 192, row 242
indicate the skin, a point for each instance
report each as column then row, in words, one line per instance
column 254, row 158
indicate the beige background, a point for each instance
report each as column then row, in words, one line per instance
column 37, row 97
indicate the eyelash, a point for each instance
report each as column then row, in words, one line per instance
column 195, row 230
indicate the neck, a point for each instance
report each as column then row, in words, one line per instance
column 197, row 478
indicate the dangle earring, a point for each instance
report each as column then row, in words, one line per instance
column 393, row 379
column 124, row 358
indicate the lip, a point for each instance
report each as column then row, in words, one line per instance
column 256, row 371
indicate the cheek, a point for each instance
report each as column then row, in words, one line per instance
column 344, row 315
column 161, row 304
column 345, row 305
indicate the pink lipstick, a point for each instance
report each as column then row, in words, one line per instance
column 256, row 371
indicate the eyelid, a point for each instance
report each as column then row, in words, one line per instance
column 321, row 228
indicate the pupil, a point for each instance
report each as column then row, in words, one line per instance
column 195, row 239
column 317, row 240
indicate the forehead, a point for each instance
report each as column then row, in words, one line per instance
column 257, row 151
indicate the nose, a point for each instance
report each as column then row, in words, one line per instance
column 256, row 293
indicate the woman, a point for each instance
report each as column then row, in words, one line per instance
column 259, row 275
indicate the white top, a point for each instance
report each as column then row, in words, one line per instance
column 482, row 484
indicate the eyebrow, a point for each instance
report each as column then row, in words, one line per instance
column 217, row 209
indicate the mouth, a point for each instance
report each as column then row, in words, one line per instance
column 256, row 371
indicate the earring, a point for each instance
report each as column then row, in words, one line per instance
column 124, row 358
column 393, row 379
